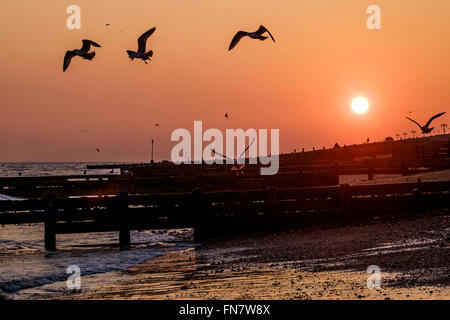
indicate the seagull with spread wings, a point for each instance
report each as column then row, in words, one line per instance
column 236, row 166
column 426, row 128
column 258, row 34
column 83, row 52
column 142, row 43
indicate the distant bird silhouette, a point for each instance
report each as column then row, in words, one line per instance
column 258, row 34
column 142, row 42
column 226, row 115
column 83, row 52
column 98, row 149
column 426, row 128
column 156, row 124
column 107, row 24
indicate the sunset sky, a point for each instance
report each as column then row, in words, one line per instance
column 303, row 84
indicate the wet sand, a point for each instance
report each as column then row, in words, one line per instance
column 327, row 261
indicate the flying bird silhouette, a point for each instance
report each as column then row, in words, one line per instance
column 226, row 115
column 236, row 166
column 426, row 128
column 142, row 42
column 98, row 149
column 258, row 34
column 83, row 52
column 156, row 125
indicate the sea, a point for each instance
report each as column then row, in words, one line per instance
column 28, row 271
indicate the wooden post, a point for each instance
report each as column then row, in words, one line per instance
column 271, row 202
column 370, row 173
column 371, row 167
column 132, row 185
column 198, row 214
column 66, row 188
column 49, row 224
column 345, row 198
column 122, row 210
column 336, row 170
column 301, row 179
column 404, row 167
column 418, row 201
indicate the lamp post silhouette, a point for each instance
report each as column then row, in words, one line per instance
column 413, row 133
column 444, row 126
column 405, row 135
column 153, row 141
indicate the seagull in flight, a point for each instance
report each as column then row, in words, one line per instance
column 258, row 34
column 426, row 128
column 98, row 149
column 236, row 166
column 142, row 42
column 156, row 124
column 226, row 115
column 83, row 52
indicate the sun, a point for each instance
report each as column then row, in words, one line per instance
column 360, row 105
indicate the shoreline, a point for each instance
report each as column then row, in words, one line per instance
column 316, row 262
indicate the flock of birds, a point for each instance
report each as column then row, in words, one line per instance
column 144, row 55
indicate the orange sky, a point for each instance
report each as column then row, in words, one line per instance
column 324, row 56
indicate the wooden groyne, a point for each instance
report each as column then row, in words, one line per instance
column 163, row 182
column 169, row 179
column 296, row 170
column 220, row 213
column 216, row 201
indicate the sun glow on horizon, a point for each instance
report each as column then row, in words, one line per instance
column 360, row 105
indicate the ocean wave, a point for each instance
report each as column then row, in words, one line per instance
column 25, row 264
column 40, row 272
column 5, row 197
column 33, row 169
